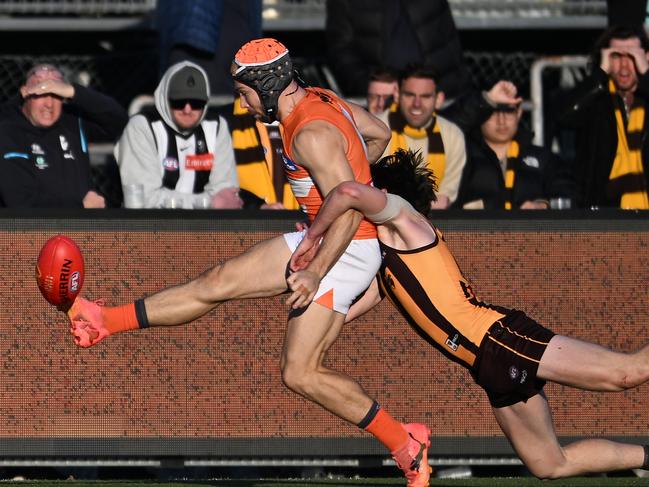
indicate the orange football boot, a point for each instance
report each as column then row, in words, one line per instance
column 412, row 457
column 87, row 323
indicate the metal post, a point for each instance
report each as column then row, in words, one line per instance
column 536, row 87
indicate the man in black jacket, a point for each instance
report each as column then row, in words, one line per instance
column 364, row 35
column 608, row 111
column 504, row 170
column 44, row 145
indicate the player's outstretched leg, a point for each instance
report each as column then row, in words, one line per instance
column 412, row 457
column 528, row 426
column 90, row 322
column 585, row 365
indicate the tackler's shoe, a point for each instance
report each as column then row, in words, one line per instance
column 87, row 323
column 412, row 458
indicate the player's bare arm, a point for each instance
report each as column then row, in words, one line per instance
column 375, row 133
column 347, row 196
column 344, row 197
column 404, row 228
column 320, row 148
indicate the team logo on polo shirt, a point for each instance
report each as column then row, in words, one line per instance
column 170, row 164
column 41, row 163
column 65, row 146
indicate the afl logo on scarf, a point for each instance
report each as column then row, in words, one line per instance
column 288, row 164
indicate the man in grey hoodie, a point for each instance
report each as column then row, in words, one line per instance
column 175, row 153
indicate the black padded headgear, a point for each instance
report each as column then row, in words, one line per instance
column 265, row 66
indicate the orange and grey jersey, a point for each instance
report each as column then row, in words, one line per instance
column 427, row 286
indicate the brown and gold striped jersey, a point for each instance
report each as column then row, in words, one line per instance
column 427, row 286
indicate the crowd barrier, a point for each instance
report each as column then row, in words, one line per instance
column 211, row 390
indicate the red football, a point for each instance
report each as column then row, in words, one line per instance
column 59, row 271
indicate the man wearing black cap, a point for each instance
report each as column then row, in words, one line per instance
column 175, row 153
column 504, row 170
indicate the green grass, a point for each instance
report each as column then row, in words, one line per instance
column 474, row 482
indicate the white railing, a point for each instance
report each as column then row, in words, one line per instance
column 571, row 65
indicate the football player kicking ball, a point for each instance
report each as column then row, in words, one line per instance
column 508, row 354
column 326, row 141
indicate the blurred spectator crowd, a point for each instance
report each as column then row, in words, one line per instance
column 402, row 59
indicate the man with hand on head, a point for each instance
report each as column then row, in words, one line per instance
column 176, row 153
column 382, row 90
column 608, row 110
column 44, row 142
column 504, row 170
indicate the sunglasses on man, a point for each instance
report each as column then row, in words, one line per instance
column 180, row 104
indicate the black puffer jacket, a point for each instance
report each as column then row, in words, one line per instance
column 359, row 39
column 592, row 114
column 49, row 167
column 540, row 175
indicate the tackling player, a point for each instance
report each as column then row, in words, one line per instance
column 326, row 141
column 508, row 354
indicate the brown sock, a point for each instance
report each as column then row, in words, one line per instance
column 387, row 430
column 120, row 318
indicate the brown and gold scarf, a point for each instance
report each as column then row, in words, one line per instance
column 513, row 160
column 436, row 159
column 627, row 181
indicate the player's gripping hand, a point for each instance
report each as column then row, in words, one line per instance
column 87, row 323
column 304, row 285
column 304, row 253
